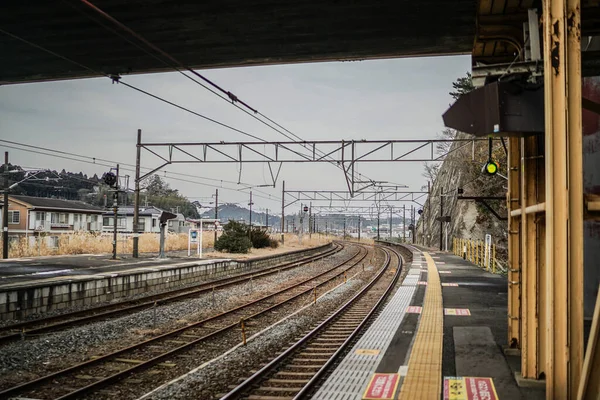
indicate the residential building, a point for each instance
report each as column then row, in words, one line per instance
column 148, row 219
column 28, row 215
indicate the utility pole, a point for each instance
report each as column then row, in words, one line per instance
column 5, row 209
column 404, row 223
column 250, row 204
column 441, row 218
column 359, row 228
column 344, row 227
column 136, row 201
column 429, row 210
column 326, row 228
column 267, row 219
column 378, row 214
column 310, row 220
column 116, row 211
column 412, row 215
column 283, row 212
column 391, row 216
column 216, row 212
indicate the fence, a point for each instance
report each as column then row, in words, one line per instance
column 476, row 252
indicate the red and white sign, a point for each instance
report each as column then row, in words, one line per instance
column 469, row 388
column 382, row 386
column 457, row 311
column 413, row 310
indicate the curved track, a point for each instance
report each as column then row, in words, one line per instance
column 297, row 371
column 58, row 322
column 67, row 383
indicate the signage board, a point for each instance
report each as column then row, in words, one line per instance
column 469, row 388
column 382, row 386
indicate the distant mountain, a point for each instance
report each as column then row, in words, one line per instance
column 230, row 211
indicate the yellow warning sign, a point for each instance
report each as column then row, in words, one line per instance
column 469, row 388
column 367, row 352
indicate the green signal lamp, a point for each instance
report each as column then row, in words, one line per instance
column 491, row 167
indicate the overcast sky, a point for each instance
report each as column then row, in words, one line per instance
column 380, row 99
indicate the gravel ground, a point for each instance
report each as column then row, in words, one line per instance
column 25, row 360
column 203, row 280
column 214, row 379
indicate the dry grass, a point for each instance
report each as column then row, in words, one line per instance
column 88, row 243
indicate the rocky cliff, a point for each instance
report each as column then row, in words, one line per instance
column 469, row 219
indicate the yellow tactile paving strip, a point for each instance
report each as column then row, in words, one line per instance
column 424, row 377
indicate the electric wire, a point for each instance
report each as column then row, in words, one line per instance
column 178, row 66
column 112, row 163
column 264, row 195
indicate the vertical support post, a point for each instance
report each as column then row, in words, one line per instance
column 283, row 212
column 404, row 223
column 310, row 220
column 5, row 209
column 116, row 212
column 514, row 244
column 136, row 198
column 200, row 239
column 216, row 213
column 441, row 218
column 378, row 215
column 359, row 228
column 250, row 221
column 564, row 196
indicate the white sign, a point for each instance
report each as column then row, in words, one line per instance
column 487, row 251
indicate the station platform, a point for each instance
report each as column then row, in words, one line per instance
column 35, row 269
column 441, row 336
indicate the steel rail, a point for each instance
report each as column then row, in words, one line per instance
column 114, row 310
column 313, row 382
column 150, row 363
column 265, row 371
column 22, row 388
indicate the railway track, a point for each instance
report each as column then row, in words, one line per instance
column 55, row 323
column 297, row 371
column 111, row 369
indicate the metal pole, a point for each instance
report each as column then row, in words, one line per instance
column 5, row 209
column 412, row 222
column 116, row 210
column 429, row 210
column 378, row 215
column 391, row 216
column 283, row 212
column 267, row 220
column 216, row 211
column 344, row 227
column 136, row 201
column 250, row 223
column 359, row 228
column 441, row 220
column 310, row 220
column 404, row 223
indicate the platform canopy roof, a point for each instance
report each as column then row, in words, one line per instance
column 223, row 33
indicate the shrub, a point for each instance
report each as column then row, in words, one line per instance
column 234, row 238
column 260, row 238
column 274, row 243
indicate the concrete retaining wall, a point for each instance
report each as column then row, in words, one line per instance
column 37, row 298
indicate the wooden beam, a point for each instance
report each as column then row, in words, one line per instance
column 564, row 197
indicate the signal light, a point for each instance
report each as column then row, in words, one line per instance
column 491, row 167
column 420, row 212
column 110, row 179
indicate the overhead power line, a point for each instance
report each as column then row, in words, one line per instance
column 49, row 152
column 171, row 62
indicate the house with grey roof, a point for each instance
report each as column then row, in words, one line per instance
column 28, row 215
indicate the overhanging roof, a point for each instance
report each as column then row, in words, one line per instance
column 218, row 33
column 224, row 33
